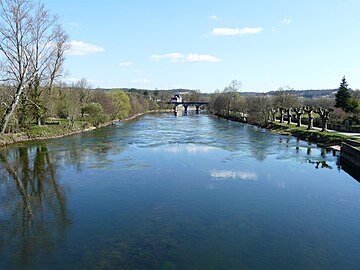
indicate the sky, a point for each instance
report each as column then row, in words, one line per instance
column 198, row 44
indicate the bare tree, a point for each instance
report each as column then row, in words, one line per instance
column 16, row 49
column 299, row 112
column 324, row 115
column 285, row 97
column 49, row 42
column 309, row 111
column 273, row 113
column 32, row 46
column 281, row 111
column 288, row 115
column 259, row 108
column 85, row 94
column 233, row 86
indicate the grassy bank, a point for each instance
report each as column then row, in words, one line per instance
column 322, row 138
column 55, row 129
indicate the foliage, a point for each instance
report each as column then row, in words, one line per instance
column 229, row 101
column 138, row 103
column 354, row 105
column 96, row 114
column 343, row 96
column 122, row 104
column 338, row 116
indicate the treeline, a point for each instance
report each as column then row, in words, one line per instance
column 79, row 105
column 262, row 108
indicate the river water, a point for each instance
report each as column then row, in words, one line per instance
column 168, row 192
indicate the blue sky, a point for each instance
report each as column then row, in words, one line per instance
column 204, row 45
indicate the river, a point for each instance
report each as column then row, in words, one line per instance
column 168, row 192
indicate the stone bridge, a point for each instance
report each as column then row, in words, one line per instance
column 197, row 105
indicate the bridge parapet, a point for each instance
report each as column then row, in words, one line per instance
column 186, row 104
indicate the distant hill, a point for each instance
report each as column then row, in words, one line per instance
column 311, row 93
column 138, row 90
column 301, row 93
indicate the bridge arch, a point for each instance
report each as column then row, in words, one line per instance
column 197, row 105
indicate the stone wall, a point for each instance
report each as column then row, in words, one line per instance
column 344, row 128
column 350, row 152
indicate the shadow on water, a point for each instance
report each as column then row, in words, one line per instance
column 350, row 169
column 33, row 205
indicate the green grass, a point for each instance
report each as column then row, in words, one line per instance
column 313, row 135
column 46, row 131
column 54, row 130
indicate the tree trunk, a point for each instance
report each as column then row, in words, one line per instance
column 324, row 124
column 289, row 116
column 298, row 120
column 281, row 115
column 10, row 110
column 310, row 124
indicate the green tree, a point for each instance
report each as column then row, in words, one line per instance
column 354, row 105
column 122, row 104
column 96, row 113
column 343, row 96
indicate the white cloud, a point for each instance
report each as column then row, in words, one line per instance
column 182, row 58
column 236, row 31
column 125, row 64
column 172, row 56
column 214, row 17
column 74, row 24
column 194, row 57
column 80, row 48
column 286, row 21
column 142, row 81
column 227, row 175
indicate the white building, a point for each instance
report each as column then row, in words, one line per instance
column 176, row 98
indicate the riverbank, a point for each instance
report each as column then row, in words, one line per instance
column 313, row 135
column 323, row 139
column 59, row 130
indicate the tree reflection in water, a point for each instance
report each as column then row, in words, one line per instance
column 33, row 206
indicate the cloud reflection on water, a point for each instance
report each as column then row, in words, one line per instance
column 229, row 175
column 191, row 149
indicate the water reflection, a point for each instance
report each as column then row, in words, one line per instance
column 349, row 168
column 34, row 213
column 226, row 175
column 166, row 192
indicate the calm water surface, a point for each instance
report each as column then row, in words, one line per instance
column 166, row 192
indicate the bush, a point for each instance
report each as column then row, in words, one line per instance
column 95, row 113
column 338, row 116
